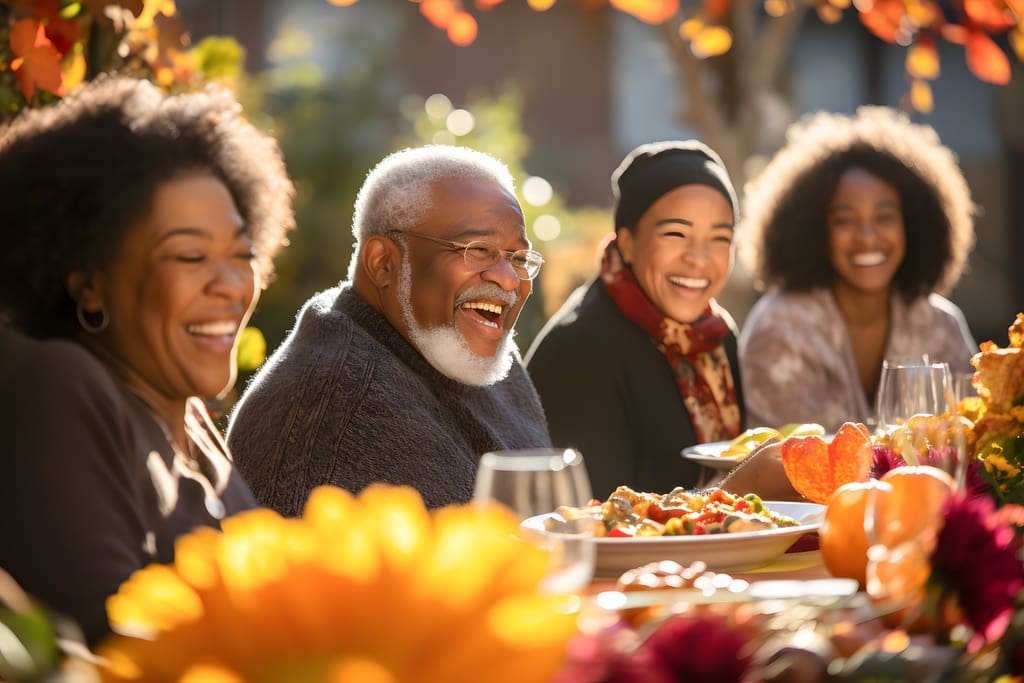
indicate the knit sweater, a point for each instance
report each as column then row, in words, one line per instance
column 609, row 391
column 346, row 400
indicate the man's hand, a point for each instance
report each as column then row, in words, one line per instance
column 762, row 473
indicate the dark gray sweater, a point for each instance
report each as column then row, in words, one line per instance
column 346, row 400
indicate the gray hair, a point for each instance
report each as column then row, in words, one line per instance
column 396, row 194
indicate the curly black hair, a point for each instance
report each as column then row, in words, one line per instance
column 76, row 175
column 784, row 238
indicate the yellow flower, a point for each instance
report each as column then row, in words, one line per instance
column 998, row 464
column 374, row 589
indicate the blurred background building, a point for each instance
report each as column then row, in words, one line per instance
column 583, row 87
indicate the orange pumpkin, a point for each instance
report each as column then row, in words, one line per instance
column 914, row 507
column 843, row 543
column 907, row 520
column 907, row 505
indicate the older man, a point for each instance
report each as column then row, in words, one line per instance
column 406, row 373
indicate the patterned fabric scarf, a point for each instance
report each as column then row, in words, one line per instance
column 694, row 351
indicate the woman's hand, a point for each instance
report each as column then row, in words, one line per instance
column 762, row 473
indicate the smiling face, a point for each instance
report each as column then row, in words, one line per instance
column 681, row 250
column 460, row 319
column 180, row 288
column 865, row 229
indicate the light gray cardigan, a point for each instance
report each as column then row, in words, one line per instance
column 798, row 365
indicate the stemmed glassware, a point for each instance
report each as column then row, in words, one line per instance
column 908, row 389
column 536, row 482
column 916, row 415
column 917, row 419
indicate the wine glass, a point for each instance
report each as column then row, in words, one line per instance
column 536, row 482
column 908, row 389
column 963, row 385
column 917, row 417
column 917, row 420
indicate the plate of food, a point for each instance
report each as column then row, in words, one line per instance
column 723, row 530
column 725, row 455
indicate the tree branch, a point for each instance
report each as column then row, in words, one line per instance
column 703, row 110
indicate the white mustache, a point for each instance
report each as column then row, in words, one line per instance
column 488, row 291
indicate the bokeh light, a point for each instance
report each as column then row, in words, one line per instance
column 437, row 106
column 460, row 122
column 546, row 227
column 537, row 191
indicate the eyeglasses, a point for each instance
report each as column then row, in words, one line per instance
column 480, row 255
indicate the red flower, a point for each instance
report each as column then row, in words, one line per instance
column 700, row 648
column 975, row 562
column 884, row 459
column 607, row 657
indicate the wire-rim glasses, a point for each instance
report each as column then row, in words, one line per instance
column 480, row 255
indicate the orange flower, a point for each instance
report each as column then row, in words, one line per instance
column 374, row 588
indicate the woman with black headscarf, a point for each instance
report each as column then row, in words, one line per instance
column 641, row 362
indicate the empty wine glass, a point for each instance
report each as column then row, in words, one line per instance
column 536, row 482
column 963, row 385
column 908, row 389
column 917, row 417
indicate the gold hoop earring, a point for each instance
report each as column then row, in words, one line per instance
column 91, row 327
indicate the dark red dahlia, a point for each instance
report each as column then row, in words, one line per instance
column 884, row 459
column 608, row 657
column 701, row 648
column 975, row 561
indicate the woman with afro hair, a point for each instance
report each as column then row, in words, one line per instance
column 138, row 229
column 856, row 227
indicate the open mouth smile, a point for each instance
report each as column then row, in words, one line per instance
column 690, row 282
column 485, row 313
column 218, row 334
column 868, row 259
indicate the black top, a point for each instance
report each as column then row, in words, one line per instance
column 90, row 489
column 608, row 391
column 347, row 401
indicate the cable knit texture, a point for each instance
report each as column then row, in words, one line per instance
column 346, row 400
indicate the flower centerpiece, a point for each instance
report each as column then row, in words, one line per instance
column 998, row 414
column 373, row 588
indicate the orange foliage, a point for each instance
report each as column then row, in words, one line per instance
column 440, row 12
column 923, row 59
column 48, row 42
column 989, row 15
column 651, row 11
column 914, row 24
column 37, row 62
column 986, row 60
column 462, row 29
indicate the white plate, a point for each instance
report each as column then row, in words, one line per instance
column 741, row 550
column 708, row 454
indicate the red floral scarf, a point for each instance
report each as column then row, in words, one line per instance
column 694, row 351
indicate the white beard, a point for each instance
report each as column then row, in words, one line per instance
column 446, row 349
